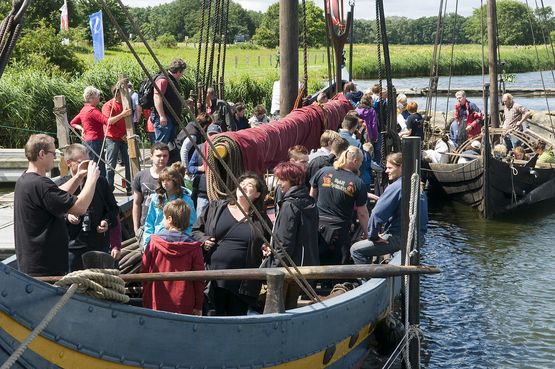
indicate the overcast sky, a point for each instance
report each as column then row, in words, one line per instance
column 366, row 8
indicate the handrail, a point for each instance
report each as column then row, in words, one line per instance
column 308, row 272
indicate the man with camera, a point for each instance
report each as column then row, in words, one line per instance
column 90, row 231
column 40, row 230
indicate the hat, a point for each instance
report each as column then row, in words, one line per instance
column 476, row 145
column 213, row 128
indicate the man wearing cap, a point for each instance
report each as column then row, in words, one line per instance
column 196, row 170
column 472, row 153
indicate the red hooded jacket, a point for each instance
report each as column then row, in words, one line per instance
column 174, row 296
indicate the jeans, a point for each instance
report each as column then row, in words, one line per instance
column 162, row 134
column 112, row 150
column 363, row 251
column 202, row 203
column 96, row 147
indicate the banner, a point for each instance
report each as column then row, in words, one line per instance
column 97, row 31
column 64, row 19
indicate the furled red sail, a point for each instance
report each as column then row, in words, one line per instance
column 261, row 148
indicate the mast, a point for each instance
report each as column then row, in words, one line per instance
column 289, row 55
column 492, row 63
column 493, row 118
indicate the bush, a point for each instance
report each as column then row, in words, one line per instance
column 246, row 46
column 42, row 43
column 166, row 40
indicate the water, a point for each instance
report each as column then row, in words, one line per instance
column 522, row 80
column 492, row 305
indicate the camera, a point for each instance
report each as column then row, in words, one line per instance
column 86, row 223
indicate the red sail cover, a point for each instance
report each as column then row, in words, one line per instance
column 265, row 146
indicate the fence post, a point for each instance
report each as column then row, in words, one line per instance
column 62, row 130
column 236, row 61
column 258, row 60
column 271, row 60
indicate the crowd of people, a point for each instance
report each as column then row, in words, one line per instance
column 325, row 200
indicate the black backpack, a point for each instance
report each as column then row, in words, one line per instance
column 146, row 92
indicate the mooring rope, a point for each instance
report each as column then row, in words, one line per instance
column 411, row 331
column 100, row 283
column 40, row 327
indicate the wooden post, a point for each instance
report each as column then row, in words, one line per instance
column 486, row 154
column 236, row 61
column 274, row 297
column 492, row 63
column 132, row 146
column 411, row 164
column 62, row 129
column 338, row 42
column 289, row 55
column 258, row 60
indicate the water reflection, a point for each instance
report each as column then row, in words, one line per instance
column 492, row 305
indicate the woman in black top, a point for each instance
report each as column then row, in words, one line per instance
column 296, row 226
column 231, row 242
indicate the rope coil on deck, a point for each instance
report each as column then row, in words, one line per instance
column 100, row 283
column 234, row 160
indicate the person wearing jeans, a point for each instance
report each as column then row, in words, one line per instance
column 116, row 139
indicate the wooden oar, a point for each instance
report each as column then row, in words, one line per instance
column 308, row 272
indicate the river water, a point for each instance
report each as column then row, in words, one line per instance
column 440, row 103
column 493, row 304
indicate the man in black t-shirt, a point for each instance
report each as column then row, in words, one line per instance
column 339, row 191
column 89, row 232
column 41, row 237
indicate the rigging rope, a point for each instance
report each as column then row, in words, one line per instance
column 295, row 273
column 539, row 68
column 454, row 39
column 434, row 70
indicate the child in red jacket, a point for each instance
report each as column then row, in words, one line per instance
column 172, row 251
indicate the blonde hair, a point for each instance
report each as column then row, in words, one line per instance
column 327, row 137
column 348, row 157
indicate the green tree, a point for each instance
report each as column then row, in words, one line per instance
column 42, row 48
column 267, row 34
column 364, row 31
column 84, row 8
column 513, row 23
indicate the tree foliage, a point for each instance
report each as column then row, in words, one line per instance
column 267, row 34
column 517, row 24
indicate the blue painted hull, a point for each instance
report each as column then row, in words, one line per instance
column 128, row 336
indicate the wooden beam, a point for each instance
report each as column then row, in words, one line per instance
column 132, row 146
column 308, row 272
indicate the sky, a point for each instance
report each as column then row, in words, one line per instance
column 366, row 8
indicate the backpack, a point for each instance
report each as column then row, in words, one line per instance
column 146, row 92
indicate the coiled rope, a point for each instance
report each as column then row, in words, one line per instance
column 233, row 159
column 101, row 283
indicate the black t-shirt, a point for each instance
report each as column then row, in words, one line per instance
column 41, row 237
column 145, row 184
column 415, row 122
column 339, row 191
column 233, row 240
column 318, row 163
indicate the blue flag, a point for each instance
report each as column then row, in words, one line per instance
column 97, row 31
